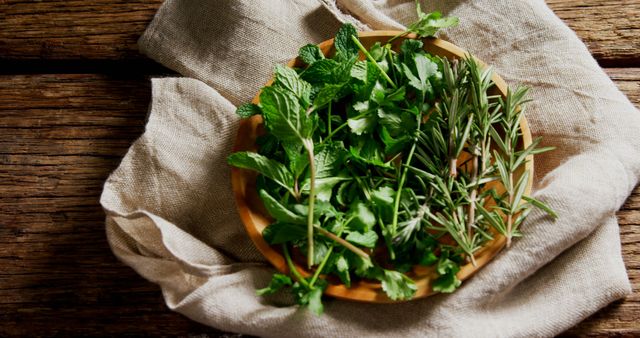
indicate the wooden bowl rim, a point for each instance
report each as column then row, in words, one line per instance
column 363, row 291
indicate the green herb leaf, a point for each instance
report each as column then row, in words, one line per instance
column 429, row 24
column 279, row 211
column 287, row 79
column 310, row 53
column 364, row 219
column 247, row 110
column 342, row 268
column 397, row 285
column 343, row 43
column 265, row 166
column 367, row 239
column 278, row 233
column 283, row 115
column 278, row 281
column 315, row 301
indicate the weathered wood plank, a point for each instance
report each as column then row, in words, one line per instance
column 610, row 28
column 56, row 29
column 60, row 137
column 109, row 29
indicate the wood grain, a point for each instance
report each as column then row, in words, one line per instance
column 610, row 28
column 76, row 29
column 60, row 136
column 109, row 29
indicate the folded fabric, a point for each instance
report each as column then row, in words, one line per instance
column 171, row 214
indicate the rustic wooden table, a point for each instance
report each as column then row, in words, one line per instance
column 73, row 96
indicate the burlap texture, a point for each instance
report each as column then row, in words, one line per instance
column 171, row 214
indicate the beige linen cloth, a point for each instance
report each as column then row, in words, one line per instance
column 171, row 214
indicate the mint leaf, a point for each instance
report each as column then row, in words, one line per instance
column 287, row 78
column 278, row 233
column 278, row 281
column 320, row 71
column 328, row 160
column 279, row 211
column 343, row 43
column 297, row 161
column 265, row 166
column 327, row 94
column 283, row 115
column 310, row 53
column 324, row 186
column 247, row 110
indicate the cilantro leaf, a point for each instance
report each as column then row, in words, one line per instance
column 397, row 285
column 367, row 239
column 314, row 299
column 428, row 24
column 342, row 268
column 447, row 269
column 364, row 219
column 278, row 281
column 363, row 124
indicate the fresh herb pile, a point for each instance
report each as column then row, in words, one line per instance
column 371, row 167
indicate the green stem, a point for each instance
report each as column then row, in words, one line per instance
column 334, row 132
column 366, row 53
column 308, row 144
column 340, row 127
column 326, row 256
column 403, row 177
column 344, row 243
column 398, row 36
column 387, row 239
column 329, row 119
column 292, row 267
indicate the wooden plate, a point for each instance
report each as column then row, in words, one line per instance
column 255, row 217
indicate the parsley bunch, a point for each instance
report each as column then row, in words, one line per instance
column 371, row 167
